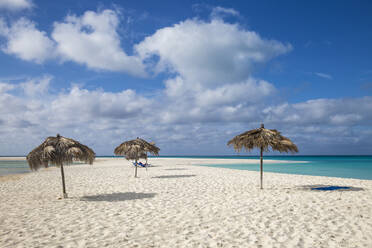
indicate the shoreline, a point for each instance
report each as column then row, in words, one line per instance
column 192, row 162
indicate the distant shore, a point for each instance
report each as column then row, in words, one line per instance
column 176, row 203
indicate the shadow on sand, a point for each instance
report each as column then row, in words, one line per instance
column 114, row 197
column 174, row 176
column 323, row 187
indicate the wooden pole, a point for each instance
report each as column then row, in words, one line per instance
column 63, row 181
column 261, row 166
column 135, row 173
column 261, row 161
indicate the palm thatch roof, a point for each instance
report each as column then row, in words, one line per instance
column 135, row 149
column 58, row 151
column 132, row 156
column 262, row 138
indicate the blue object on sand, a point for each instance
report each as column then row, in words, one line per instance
column 139, row 164
column 330, row 188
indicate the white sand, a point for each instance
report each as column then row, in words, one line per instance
column 174, row 204
column 12, row 158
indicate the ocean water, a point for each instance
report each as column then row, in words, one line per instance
column 8, row 167
column 13, row 167
column 359, row 167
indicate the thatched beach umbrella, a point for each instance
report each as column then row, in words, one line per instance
column 59, row 151
column 136, row 149
column 262, row 139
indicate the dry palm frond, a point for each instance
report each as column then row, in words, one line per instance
column 135, row 149
column 262, row 138
column 132, row 156
column 59, row 150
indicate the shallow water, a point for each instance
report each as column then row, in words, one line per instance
column 359, row 167
column 13, row 167
column 8, row 167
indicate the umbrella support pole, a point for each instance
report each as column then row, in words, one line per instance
column 63, row 182
column 135, row 173
column 261, row 166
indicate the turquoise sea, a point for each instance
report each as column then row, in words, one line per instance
column 359, row 167
column 13, row 167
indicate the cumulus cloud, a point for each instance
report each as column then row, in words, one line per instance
column 31, row 108
column 220, row 12
column 212, row 52
column 15, row 5
column 5, row 87
column 19, row 36
column 322, row 111
column 213, row 62
column 103, row 119
column 89, row 105
column 36, row 87
column 92, row 40
column 196, row 103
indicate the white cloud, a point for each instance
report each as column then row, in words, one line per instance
column 322, row 111
column 220, row 12
column 92, row 40
column 323, row 75
column 26, row 42
column 14, row 5
column 209, row 52
column 89, row 105
column 250, row 91
column 229, row 96
column 87, row 115
column 5, row 87
column 345, row 118
column 188, row 103
column 213, row 62
column 36, row 87
column 103, row 119
column 212, row 52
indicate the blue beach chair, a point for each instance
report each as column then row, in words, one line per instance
column 140, row 164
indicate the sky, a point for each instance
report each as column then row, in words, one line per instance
column 187, row 75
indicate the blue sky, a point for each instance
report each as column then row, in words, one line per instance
column 188, row 75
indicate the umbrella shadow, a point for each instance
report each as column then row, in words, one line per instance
column 152, row 165
column 174, row 176
column 115, row 197
column 323, row 187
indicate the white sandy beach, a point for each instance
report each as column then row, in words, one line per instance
column 177, row 204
